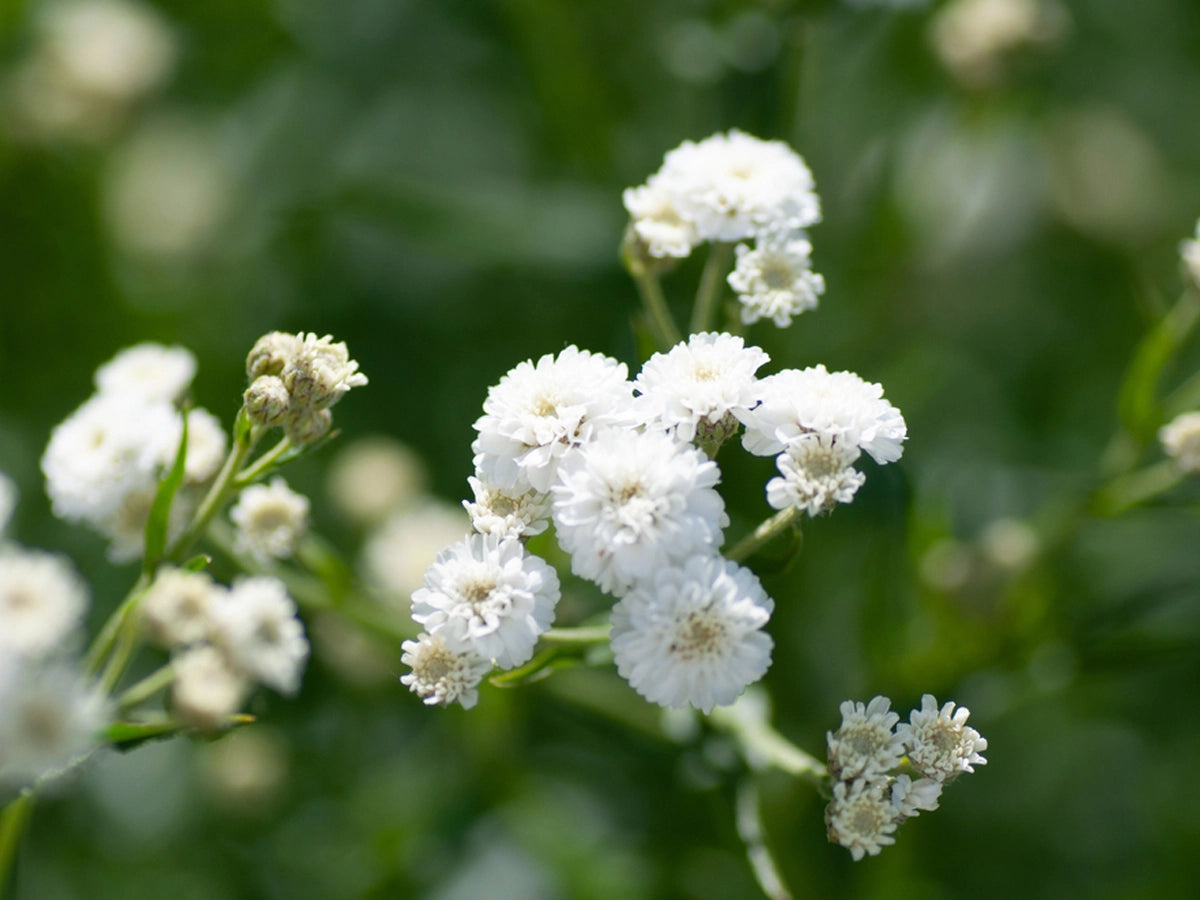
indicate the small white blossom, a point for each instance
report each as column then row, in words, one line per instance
column 489, row 596
column 538, row 412
column 629, row 503
column 441, row 676
column 255, row 624
column 861, row 817
column 269, row 520
column 177, row 608
column 816, row 474
column 148, row 372
column 911, row 798
column 205, row 446
column 866, row 744
column 657, row 221
column 207, row 690
column 42, row 601
column 734, row 186
column 693, row 634
column 51, row 719
column 507, row 513
column 775, row 280
column 1180, row 440
column 939, row 743
column 710, row 377
column 841, row 405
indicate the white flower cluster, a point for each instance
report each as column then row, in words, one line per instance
column 614, row 464
column 223, row 640
column 871, row 757
column 295, row 379
column 50, row 715
column 104, row 462
column 735, row 187
column 268, row 520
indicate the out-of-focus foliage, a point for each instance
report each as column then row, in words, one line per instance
column 438, row 184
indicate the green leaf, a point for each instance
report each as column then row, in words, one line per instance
column 198, row 563
column 160, row 510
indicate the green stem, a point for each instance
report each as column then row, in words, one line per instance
column 262, row 465
column 220, row 492
column 593, row 634
column 103, row 643
column 711, row 279
column 126, row 639
column 13, row 820
column 666, row 332
column 1127, row 491
column 769, row 529
column 146, row 688
column 763, row 745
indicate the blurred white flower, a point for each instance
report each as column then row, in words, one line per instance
column 488, row 596
column 540, row 411
column 205, row 445
column 860, row 817
column 816, row 473
column 42, row 601
column 441, row 676
column 629, row 503
column 1189, row 252
column 973, row 38
column 269, row 520
column 207, row 689
column 398, row 553
column 148, row 372
column 255, row 624
column 866, row 743
column 375, row 476
column 507, row 513
column 710, row 377
column 692, row 634
column 939, row 744
column 1180, row 440
column 177, row 608
column 775, row 280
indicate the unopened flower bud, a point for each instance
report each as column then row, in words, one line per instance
column 271, row 353
column 319, row 373
column 308, row 428
column 267, row 401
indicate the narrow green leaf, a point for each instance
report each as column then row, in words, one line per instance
column 198, row 563
column 160, row 510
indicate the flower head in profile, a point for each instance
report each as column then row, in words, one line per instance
column 911, row 798
column 692, row 634
column 441, row 676
column 860, row 816
column 866, row 743
column 487, row 595
column 775, row 280
column 939, row 743
column 177, row 608
column 630, row 502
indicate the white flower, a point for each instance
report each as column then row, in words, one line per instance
column 207, row 689
column 1181, row 441
column 657, row 222
column 838, row 404
column 693, row 634
column 866, row 743
column 205, row 446
column 148, row 372
column 629, row 503
column 507, row 513
column 397, row 554
column 441, row 676
column 374, row 477
column 177, row 608
column 255, row 624
column 911, row 798
column 318, row 374
column 268, row 520
column 42, row 600
column 703, row 381
column 861, row 817
column 488, row 596
column 8, row 500
column 939, row 743
column 974, row 37
column 111, row 446
column 51, row 719
column 734, row 186
column 540, row 411
column 775, row 280
column 816, row 475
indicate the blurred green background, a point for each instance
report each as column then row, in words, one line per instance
column 438, row 184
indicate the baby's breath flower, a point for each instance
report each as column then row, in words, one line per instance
column 693, row 634
column 268, row 520
column 441, row 676
column 207, row 690
column 177, row 608
column 775, row 280
column 255, row 624
column 507, row 513
column 629, row 503
column 489, row 596
column 42, row 600
column 939, row 743
column 816, row 474
column 866, row 743
column 705, row 380
column 1180, row 439
column 149, row 372
column 860, row 817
